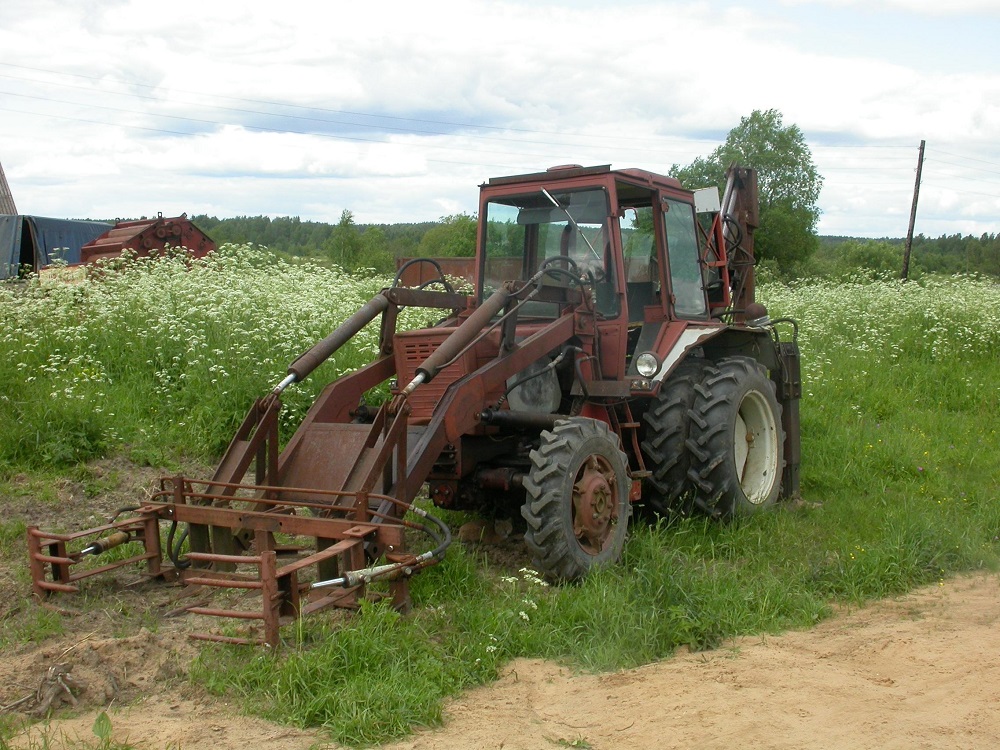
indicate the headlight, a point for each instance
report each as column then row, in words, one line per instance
column 647, row 364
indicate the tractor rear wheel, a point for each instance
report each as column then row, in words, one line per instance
column 577, row 504
column 667, row 426
column 736, row 440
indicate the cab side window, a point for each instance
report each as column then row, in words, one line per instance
column 686, row 283
column 642, row 276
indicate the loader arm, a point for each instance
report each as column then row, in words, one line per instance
column 458, row 411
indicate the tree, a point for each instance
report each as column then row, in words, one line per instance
column 375, row 252
column 454, row 236
column 344, row 244
column 788, row 183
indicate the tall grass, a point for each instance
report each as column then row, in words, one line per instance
column 899, row 477
column 165, row 354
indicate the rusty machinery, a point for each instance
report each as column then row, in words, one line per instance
column 145, row 235
column 611, row 352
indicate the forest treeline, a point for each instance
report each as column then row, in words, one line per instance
column 347, row 243
column 377, row 246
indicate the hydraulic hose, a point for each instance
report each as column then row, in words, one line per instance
column 391, row 571
column 174, row 550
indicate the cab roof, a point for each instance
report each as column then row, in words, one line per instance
column 572, row 171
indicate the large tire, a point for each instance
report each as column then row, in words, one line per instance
column 577, row 503
column 667, row 425
column 736, row 440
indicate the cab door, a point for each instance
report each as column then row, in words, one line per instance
column 685, row 280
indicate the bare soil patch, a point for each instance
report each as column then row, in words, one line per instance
column 917, row 671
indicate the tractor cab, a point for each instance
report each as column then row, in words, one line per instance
column 631, row 234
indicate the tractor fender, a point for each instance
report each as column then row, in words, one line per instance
column 671, row 342
column 674, row 341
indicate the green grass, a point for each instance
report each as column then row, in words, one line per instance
column 899, row 480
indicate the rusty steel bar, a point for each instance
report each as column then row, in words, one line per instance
column 212, row 557
column 231, row 640
column 151, row 540
column 236, row 614
column 233, row 518
column 36, row 566
column 110, row 566
column 178, row 497
column 53, row 586
column 404, row 297
column 57, row 560
column 222, row 583
column 332, row 551
column 391, row 433
column 57, row 537
column 270, row 598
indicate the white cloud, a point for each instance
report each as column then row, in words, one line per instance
column 496, row 87
column 923, row 7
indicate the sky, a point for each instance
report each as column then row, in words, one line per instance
column 397, row 111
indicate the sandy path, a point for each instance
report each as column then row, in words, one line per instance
column 918, row 672
column 921, row 671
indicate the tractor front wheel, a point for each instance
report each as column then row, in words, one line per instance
column 577, row 504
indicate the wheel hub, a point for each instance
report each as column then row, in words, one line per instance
column 595, row 511
column 755, row 447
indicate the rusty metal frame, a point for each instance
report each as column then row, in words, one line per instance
column 49, row 552
column 209, row 504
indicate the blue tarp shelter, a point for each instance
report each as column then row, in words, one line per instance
column 33, row 242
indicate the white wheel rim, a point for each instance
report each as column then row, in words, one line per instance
column 755, row 447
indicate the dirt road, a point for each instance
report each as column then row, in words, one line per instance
column 922, row 671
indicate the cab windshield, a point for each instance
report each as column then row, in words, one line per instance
column 524, row 230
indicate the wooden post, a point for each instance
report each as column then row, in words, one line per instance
column 913, row 214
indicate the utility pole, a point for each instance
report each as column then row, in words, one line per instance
column 913, row 214
column 6, row 199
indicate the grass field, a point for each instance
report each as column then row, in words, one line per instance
column 899, row 475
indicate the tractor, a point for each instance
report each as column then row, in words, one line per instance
column 608, row 353
column 611, row 352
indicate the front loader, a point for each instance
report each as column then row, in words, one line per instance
column 611, row 353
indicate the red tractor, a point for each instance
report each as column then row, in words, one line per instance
column 610, row 353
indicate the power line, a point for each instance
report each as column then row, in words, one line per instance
column 970, row 158
column 930, row 186
column 963, row 166
column 867, row 169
